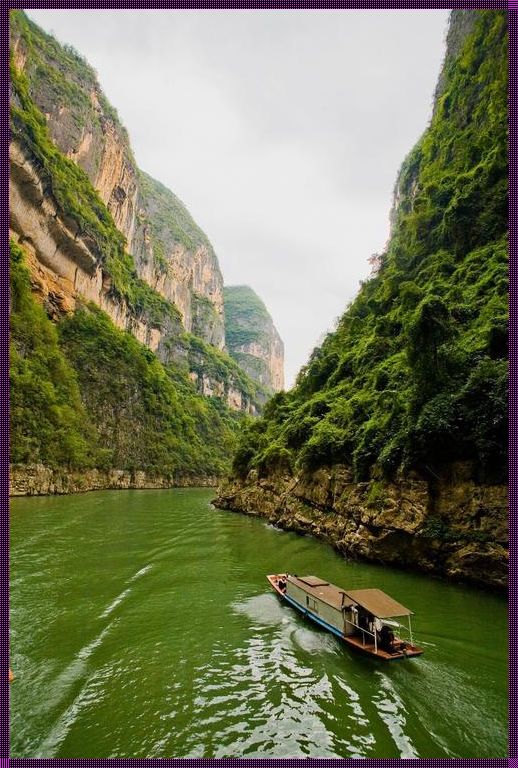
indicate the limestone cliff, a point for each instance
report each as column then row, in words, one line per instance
column 170, row 252
column 252, row 339
column 449, row 525
column 39, row 480
column 393, row 443
column 106, row 232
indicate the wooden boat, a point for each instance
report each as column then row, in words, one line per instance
column 364, row 619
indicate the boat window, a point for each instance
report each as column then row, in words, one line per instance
column 312, row 604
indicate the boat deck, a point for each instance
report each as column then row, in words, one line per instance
column 355, row 641
column 401, row 650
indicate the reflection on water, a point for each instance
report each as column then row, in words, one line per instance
column 142, row 626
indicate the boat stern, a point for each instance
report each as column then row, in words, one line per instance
column 278, row 582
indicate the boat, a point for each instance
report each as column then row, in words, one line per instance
column 364, row 619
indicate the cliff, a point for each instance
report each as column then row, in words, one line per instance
column 92, row 407
column 251, row 337
column 96, row 228
column 118, row 370
column 452, row 526
column 393, row 443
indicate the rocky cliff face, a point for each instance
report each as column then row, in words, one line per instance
column 393, row 443
column 450, row 526
column 171, row 254
column 65, row 267
column 39, row 480
column 163, row 284
column 252, row 339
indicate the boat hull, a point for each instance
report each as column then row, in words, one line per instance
column 353, row 641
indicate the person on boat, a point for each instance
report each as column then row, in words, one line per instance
column 386, row 638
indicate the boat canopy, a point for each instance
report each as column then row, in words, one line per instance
column 378, row 603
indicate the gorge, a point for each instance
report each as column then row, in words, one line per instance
column 133, row 366
column 392, row 444
column 100, row 250
column 142, row 624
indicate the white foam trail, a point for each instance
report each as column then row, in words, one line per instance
column 140, row 573
column 392, row 711
column 118, row 600
column 64, row 723
column 75, row 670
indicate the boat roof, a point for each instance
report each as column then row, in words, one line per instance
column 374, row 601
column 323, row 590
column 378, row 603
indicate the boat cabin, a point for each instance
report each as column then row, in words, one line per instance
column 362, row 617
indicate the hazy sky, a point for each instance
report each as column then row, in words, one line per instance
column 282, row 132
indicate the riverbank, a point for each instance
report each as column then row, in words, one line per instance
column 449, row 525
column 39, row 480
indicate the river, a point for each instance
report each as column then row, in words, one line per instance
column 142, row 626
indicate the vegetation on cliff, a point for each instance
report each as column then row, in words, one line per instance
column 169, row 220
column 415, row 375
column 85, row 394
column 49, row 423
column 248, row 324
column 77, row 199
column 56, row 104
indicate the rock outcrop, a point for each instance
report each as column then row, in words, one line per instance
column 39, row 480
column 392, row 445
column 252, row 339
column 65, row 267
column 170, row 252
column 447, row 525
column 163, row 284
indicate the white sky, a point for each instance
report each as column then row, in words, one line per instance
column 282, row 132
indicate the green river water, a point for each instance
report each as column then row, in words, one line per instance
column 142, row 626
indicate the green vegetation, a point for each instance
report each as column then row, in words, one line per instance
column 85, row 394
column 415, row 374
column 150, row 414
column 169, row 220
column 49, row 423
column 80, row 203
column 248, row 322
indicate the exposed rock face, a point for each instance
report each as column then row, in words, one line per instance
column 38, row 480
column 252, row 339
column 170, row 252
column 175, row 257
column 65, row 267
column 450, row 526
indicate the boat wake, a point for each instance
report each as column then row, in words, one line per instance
column 118, row 600
column 140, row 573
column 76, row 670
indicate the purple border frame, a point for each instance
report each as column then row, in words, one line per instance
column 512, row 6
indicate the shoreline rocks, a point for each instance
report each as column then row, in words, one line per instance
column 450, row 527
column 39, row 480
